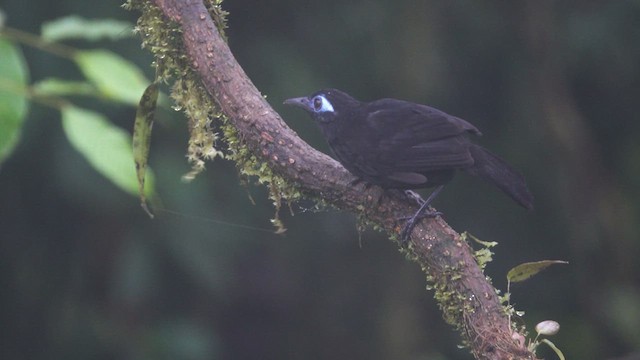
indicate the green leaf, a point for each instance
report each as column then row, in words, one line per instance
column 142, row 137
column 554, row 348
column 105, row 146
column 526, row 270
column 115, row 77
column 60, row 87
column 13, row 104
column 75, row 27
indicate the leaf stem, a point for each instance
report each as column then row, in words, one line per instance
column 37, row 42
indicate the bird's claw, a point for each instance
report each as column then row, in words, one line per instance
column 427, row 214
column 412, row 221
column 423, row 212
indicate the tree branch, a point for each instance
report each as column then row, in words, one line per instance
column 468, row 301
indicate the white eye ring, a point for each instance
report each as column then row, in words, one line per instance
column 321, row 104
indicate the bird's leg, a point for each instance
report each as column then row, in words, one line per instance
column 422, row 212
column 420, row 201
column 415, row 196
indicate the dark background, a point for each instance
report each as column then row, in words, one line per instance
column 553, row 85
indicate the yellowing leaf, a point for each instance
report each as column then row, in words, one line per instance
column 105, row 146
column 526, row 270
column 142, row 137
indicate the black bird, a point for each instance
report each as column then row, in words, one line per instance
column 397, row 144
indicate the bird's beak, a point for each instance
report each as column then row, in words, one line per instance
column 301, row 102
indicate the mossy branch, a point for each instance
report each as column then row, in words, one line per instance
column 210, row 85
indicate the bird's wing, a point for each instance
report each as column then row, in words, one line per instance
column 417, row 138
column 409, row 121
column 445, row 153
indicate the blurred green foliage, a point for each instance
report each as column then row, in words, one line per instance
column 13, row 103
column 554, row 87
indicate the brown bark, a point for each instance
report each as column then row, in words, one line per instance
column 468, row 301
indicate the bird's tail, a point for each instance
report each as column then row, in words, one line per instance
column 490, row 167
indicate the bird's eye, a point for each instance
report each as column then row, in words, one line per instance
column 321, row 104
column 317, row 103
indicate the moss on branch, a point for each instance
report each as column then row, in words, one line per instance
column 186, row 38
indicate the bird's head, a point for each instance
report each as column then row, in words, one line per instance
column 325, row 105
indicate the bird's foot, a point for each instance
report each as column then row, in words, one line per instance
column 412, row 221
column 423, row 212
column 426, row 215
